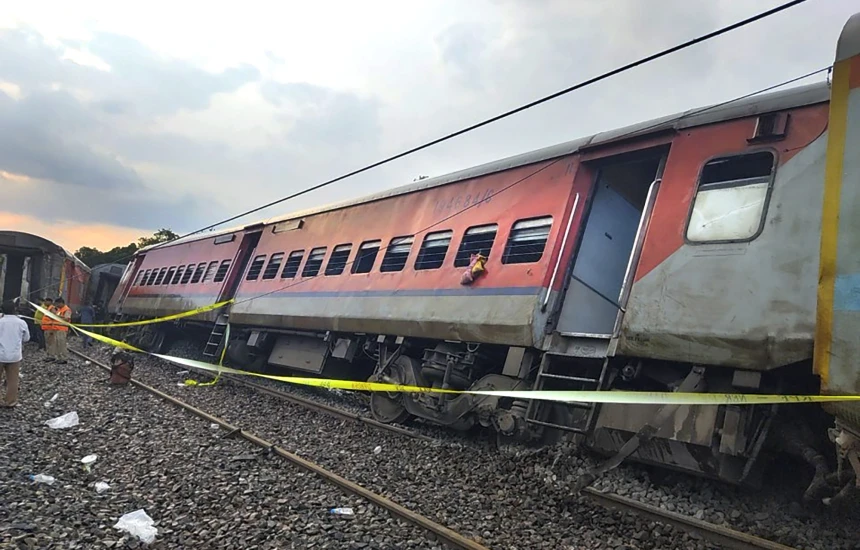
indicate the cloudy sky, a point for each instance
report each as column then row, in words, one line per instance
column 116, row 121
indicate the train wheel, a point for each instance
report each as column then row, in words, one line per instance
column 387, row 407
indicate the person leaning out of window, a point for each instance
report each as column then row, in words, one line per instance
column 13, row 334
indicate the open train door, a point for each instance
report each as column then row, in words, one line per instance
column 610, row 244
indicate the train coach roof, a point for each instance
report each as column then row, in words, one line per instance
column 798, row 96
column 16, row 241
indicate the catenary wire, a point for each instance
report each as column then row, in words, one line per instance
column 637, row 131
column 496, row 118
column 506, row 114
column 534, row 173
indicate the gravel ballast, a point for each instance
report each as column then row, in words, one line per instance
column 201, row 489
column 503, row 499
column 519, row 499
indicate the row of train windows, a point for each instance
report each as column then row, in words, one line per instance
column 191, row 273
column 526, row 244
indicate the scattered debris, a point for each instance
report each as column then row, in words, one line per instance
column 88, row 461
column 138, row 524
column 42, row 478
column 50, row 401
column 68, row 420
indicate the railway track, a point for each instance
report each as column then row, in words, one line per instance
column 717, row 534
column 321, row 407
column 451, row 538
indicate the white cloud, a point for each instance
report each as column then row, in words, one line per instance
column 226, row 109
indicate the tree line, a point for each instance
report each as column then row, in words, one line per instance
column 122, row 254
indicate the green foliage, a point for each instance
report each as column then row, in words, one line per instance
column 122, row 254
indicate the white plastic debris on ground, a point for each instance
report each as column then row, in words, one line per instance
column 68, row 420
column 50, row 401
column 42, row 478
column 138, row 524
column 101, row 487
column 88, row 461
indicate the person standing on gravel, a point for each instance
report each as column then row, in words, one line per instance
column 13, row 334
column 50, row 334
column 61, row 330
column 88, row 317
column 38, row 334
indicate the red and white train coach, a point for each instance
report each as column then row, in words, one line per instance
column 681, row 253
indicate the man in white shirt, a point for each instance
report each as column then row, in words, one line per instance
column 13, row 334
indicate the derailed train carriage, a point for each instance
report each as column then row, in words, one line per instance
column 32, row 267
column 686, row 253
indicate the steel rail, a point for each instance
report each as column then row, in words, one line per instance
column 322, row 407
column 313, row 405
column 723, row 536
column 444, row 534
column 718, row 534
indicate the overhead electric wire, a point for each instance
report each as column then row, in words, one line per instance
column 506, row 114
column 496, row 118
column 638, row 131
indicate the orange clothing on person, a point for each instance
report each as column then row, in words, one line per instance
column 56, row 333
column 47, row 321
column 64, row 312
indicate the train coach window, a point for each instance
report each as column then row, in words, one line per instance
column 145, row 279
column 256, row 268
column 169, row 277
column 396, row 254
column 730, row 200
column 291, row 268
column 476, row 240
column 314, row 263
column 366, row 256
column 527, row 241
column 138, row 279
column 210, row 271
column 433, row 250
column 151, row 278
column 337, row 261
column 178, row 277
column 198, row 273
column 160, row 276
column 273, row 266
column 223, row 269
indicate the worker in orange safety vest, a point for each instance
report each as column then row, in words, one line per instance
column 56, row 333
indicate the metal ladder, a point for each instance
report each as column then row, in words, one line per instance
column 570, row 383
column 216, row 337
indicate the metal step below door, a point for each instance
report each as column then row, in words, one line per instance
column 216, row 337
column 555, row 374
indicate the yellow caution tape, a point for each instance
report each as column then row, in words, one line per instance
column 190, row 382
column 614, row 397
column 174, row 317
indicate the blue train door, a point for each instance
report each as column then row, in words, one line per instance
column 608, row 247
